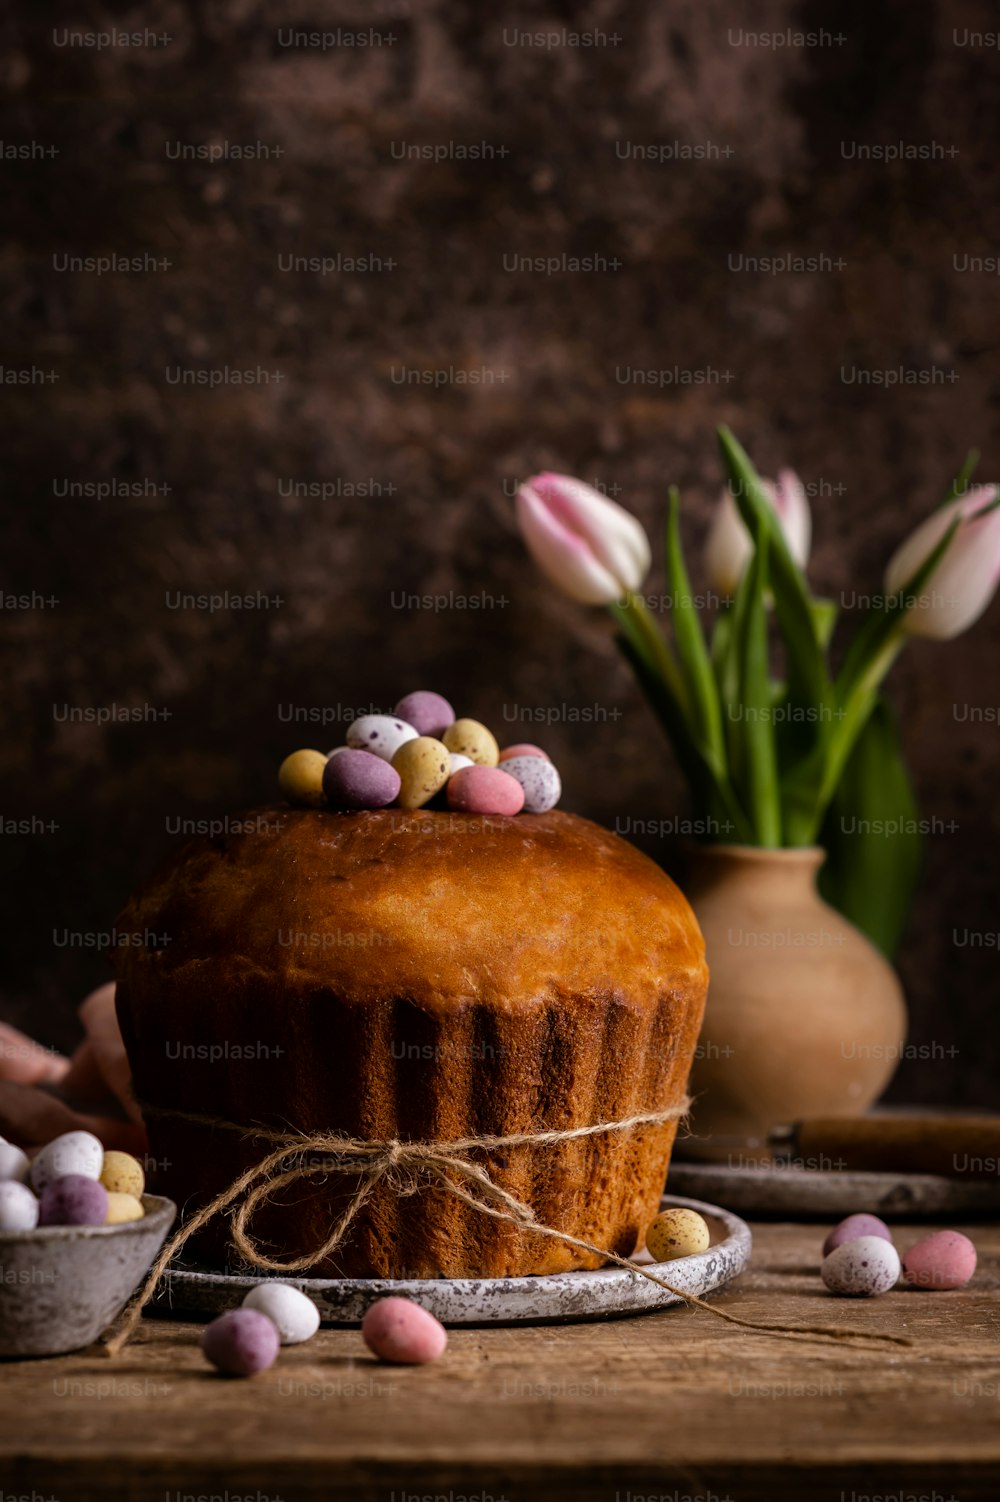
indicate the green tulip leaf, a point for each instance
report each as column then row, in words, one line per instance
column 808, row 677
column 960, row 484
column 727, row 647
column 871, row 836
column 712, row 795
column 761, row 796
column 692, row 651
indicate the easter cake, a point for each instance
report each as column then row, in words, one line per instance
column 423, row 974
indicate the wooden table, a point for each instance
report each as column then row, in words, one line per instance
column 669, row 1406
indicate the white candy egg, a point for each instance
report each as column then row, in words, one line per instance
column 295, row 1317
column 863, row 1267
column 73, row 1152
column 18, row 1207
column 540, row 780
column 381, row 734
column 14, row 1164
column 457, row 761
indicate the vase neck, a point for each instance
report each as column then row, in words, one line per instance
column 771, row 873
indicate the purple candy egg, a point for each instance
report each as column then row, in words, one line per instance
column 427, row 712
column 357, row 779
column 73, row 1200
column 241, row 1342
column 540, row 780
column 853, row 1227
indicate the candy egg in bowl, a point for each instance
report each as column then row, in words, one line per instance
column 62, row 1285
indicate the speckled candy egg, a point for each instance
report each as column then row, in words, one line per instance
column 241, row 1342
column 300, row 778
column 357, row 779
column 427, row 712
column 424, row 767
column 14, row 1164
column 123, row 1208
column 485, row 790
column 73, row 1200
column 944, row 1259
column 853, row 1227
column 523, row 748
column 677, row 1233
column 294, row 1316
column 122, row 1174
column 18, row 1207
column 540, row 780
column 470, row 738
column 398, row 1330
column 381, row 734
column 863, row 1267
column 72, row 1153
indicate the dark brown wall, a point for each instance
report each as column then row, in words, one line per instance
column 443, row 460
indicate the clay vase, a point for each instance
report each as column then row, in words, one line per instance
column 805, row 1017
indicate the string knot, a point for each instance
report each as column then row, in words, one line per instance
column 393, row 1152
column 408, row 1167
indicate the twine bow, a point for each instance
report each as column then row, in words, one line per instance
column 408, row 1168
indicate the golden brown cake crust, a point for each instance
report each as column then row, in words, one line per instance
column 420, row 975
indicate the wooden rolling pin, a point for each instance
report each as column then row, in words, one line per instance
column 953, row 1146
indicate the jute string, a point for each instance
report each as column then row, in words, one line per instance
column 407, row 1168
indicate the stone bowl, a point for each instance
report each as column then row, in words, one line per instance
column 60, row 1286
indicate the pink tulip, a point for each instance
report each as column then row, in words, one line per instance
column 965, row 580
column 589, row 547
column 729, row 543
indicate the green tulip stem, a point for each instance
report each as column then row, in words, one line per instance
column 635, row 619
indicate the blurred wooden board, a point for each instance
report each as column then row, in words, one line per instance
column 811, row 1194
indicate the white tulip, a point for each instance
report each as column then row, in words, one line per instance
column 589, row 547
column 965, row 580
column 730, row 545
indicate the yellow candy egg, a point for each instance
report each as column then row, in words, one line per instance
column 424, row 766
column 122, row 1174
column 470, row 738
column 677, row 1233
column 123, row 1207
column 300, row 778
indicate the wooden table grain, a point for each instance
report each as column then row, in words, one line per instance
column 674, row 1405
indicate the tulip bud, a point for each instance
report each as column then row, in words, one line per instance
column 965, row 579
column 730, row 545
column 589, row 547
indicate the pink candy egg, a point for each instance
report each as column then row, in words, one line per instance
column 427, row 712
column 483, row 790
column 399, row 1330
column 523, row 748
column 242, row 1342
column 358, row 779
column 945, row 1259
column 853, row 1227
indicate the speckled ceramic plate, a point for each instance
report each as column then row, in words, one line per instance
column 480, row 1301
